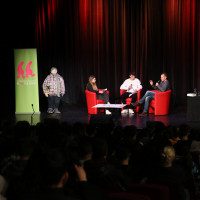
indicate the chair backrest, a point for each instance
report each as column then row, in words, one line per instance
column 162, row 100
column 176, row 189
column 154, row 191
column 91, row 99
column 163, row 97
column 127, row 196
column 168, row 92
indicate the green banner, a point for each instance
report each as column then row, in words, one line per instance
column 30, row 118
column 26, row 81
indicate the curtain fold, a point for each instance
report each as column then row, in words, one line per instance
column 110, row 38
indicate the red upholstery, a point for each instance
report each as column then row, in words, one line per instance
column 160, row 104
column 91, row 99
column 127, row 196
column 176, row 189
column 154, row 191
column 128, row 100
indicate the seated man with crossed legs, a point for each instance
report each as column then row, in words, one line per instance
column 162, row 86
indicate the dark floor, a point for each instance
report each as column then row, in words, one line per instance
column 72, row 114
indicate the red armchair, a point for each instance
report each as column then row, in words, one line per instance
column 160, row 104
column 128, row 100
column 91, row 99
column 154, row 191
column 127, row 196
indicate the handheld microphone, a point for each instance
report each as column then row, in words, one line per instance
column 130, row 87
column 32, row 115
column 158, row 81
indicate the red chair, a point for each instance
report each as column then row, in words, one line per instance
column 176, row 189
column 127, row 196
column 128, row 100
column 154, row 191
column 160, row 104
column 92, row 100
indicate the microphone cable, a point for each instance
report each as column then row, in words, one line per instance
column 32, row 115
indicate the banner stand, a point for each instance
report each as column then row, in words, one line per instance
column 32, row 119
column 26, row 82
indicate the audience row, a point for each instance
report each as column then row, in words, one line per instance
column 55, row 160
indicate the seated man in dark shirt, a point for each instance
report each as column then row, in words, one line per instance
column 149, row 95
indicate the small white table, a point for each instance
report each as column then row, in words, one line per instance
column 109, row 106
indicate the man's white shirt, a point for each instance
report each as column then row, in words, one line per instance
column 136, row 85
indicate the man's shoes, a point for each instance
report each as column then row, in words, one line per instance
column 125, row 111
column 131, row 111
column 50, row 110
column 108, row 112
column 136, row 104
column 143, row 114
column 56, row 111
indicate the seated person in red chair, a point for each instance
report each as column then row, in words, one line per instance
column 132, row 85
column 162, row 86
column 92, row 87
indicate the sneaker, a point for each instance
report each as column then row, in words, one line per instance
column 56, row 111
column 108, row 112
column 131, row 111
column 125, row 111
column 137, row 104
column 50, row 110
column 143, row 114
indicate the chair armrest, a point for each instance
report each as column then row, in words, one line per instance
column 122, row 91
column 107, row 91
column 139, row 94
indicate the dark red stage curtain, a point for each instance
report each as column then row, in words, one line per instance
column 181, row 44
column 109, row 38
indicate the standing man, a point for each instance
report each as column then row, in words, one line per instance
column 54, row 89
column 132, row 85
column 162, row 86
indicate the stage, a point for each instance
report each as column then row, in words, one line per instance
column 74, row 113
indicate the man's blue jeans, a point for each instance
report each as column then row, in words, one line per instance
column 53, row 102
column 149, row 95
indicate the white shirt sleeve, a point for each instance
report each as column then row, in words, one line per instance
column 125, row 85
column 139, row 86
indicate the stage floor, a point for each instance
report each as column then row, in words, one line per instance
column 72, row 114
